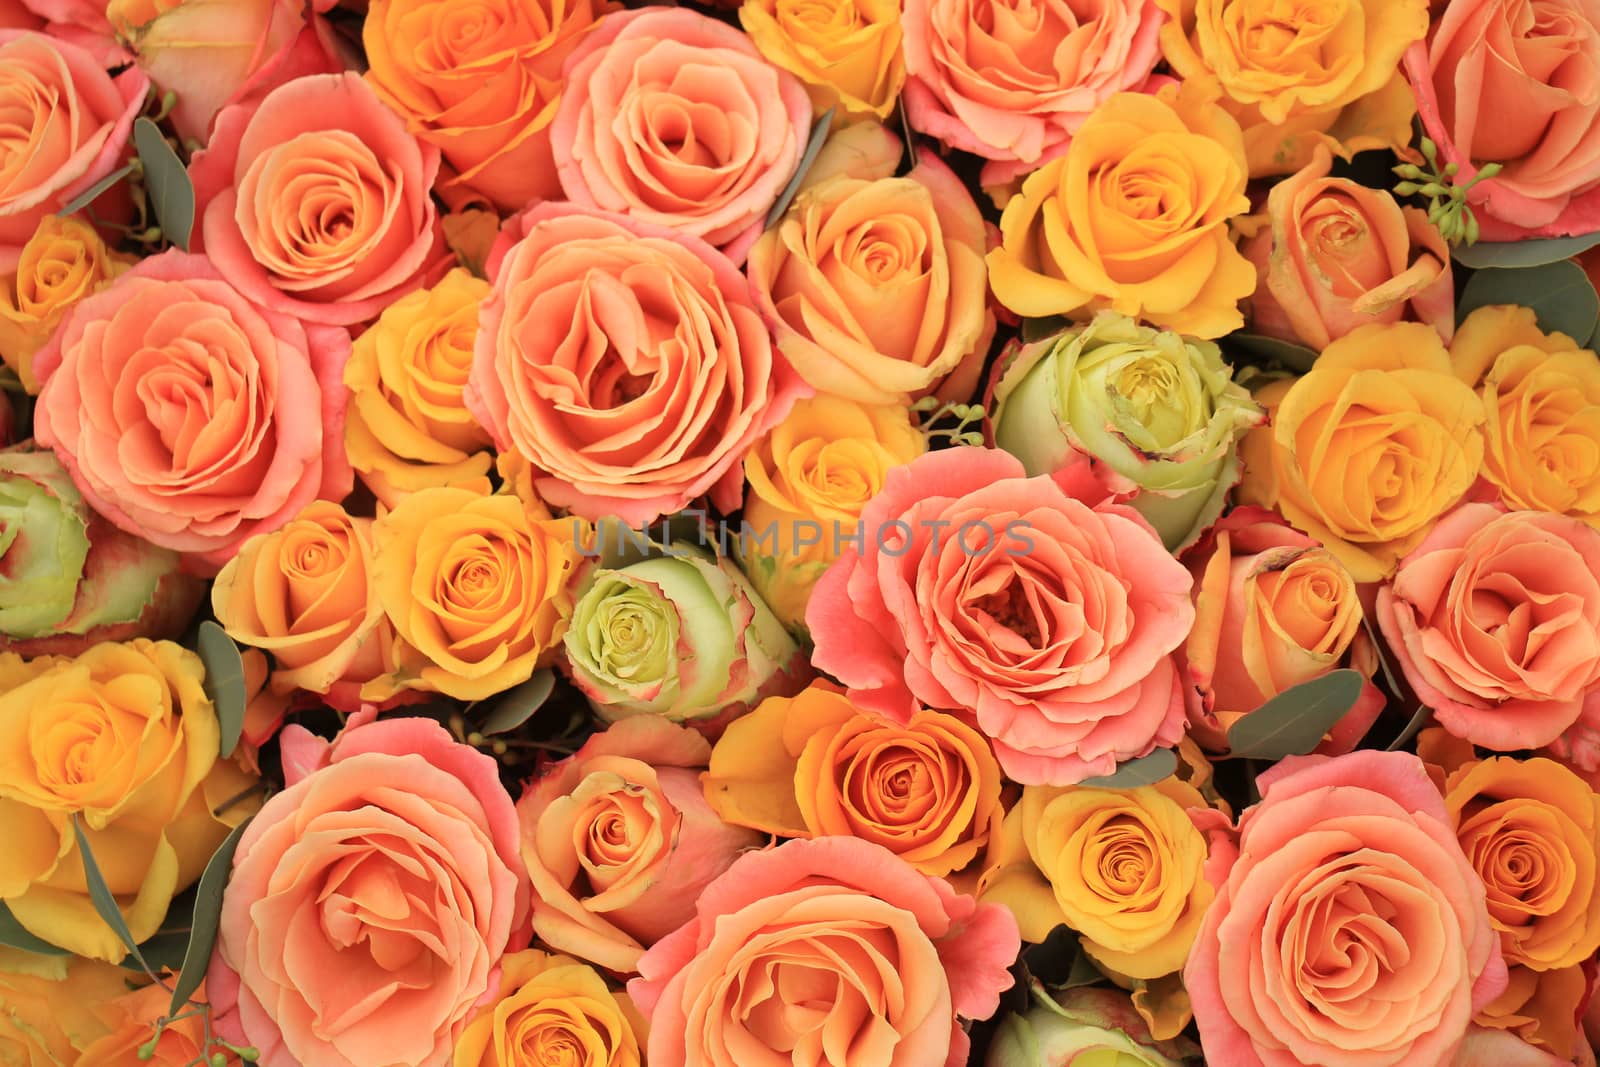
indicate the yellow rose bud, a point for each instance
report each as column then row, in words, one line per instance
column 552, row 1009
column 847, row 53
column 64, row 261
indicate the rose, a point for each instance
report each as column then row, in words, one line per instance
column 1495, row 1048
column 1334, row 255
column 551, row 1009
column 481, row 83
column 475, row 588
column 672, row 77
column 132, row 405
column 370, row 900
column 874, row 285
column 64, row 261
column 72, row 123
column 46, row 1011
column 848, row 55
column 683, row 637
column 1348, row 928
column 131, row 1018
column 620, row 842
column 1085, row 1027
column 1542, row 1008
column 1142, row 194
column 960, row 598
column 1013, row 87
column 927, row 790
column 1369, row 448
column 825, row 946
column 408, row 426
column 69, row 761
column 1513, row 83
column 1157, row 409
column 1458, row 611
column 1324, row 73
column 1273, row 610
column 306, row 593
column 324, row 140
column 668, row 414
column 808, row 480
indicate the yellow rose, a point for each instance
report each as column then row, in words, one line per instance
column 123, row 739
column 1367, row 450
column 1541, row 397
column 809, row 479
column 815, row 764
column 848, row 53
column 64, row 261
column 1298, row 75
column 552, row 1009
column 46, row 1018
column 1133, row 218
column 407, row 427
column 476, row 591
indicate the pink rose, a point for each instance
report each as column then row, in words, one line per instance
column 69, row 123
column 370, row 901
column 827, row 951
column 979, row 589
column 1348, row 929
column 188, row 415
column 314, row 201
column 676, row 119
column 1495, row 619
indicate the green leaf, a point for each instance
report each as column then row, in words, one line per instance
column 517, row 705
column 1559, row 293
column 224, row 682
column 15, row 935
column 100, row 895
column 1295, row 721
column 166, row 182
column 819, row 135
column 1146, row 770
column 1261, row 349
column 1419, row 719
column 91, row 194
column 1522, row 253
column 207, row 915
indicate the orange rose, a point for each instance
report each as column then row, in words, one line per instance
column 132, row 1018
column 64, row 261
column 1543, row 1009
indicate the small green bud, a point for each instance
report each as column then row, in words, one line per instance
column 1407, row 188
column 219, row 1059
column 147, row 1050
column 1409, row 170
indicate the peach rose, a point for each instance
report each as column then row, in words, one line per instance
column 983, row 590
column 1543, row 1009
column 314, row 200
column 1495, row 619
column 64, row 261
column 684, row 380
column 620, row 842
column 1348, row 928
column 189, row 415
column 834, row 950
column 1335, row 255
column 70, row 123
column 1013, row 84
column 1517, row 82
column 370, row 901
column 673, row 118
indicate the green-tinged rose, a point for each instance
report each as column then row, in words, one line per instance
column 1085, row 1027
column 683, row 636
column 68, row 578
column 1156, row 411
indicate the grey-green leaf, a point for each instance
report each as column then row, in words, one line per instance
column 1146, row 770
column 224, row 682
column 819, row 135
column 1560, row 294
column 91, row 194
column 517, row 705
column 1261, row 349
column 166, row 182
column 1295, row 721
column 1522, row 253
column 100, row 895
column 1419, row 720
column 15, row 935
column 207, row 915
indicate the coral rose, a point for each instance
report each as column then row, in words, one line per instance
column 370, row 902
column 980, row 589
column 64, row 261
column 620, row 841
column 1348, row 928
column 673, row 118
column 685, row 379
column 848, row 54
column 71, row 121
column 552, row 1010
column 188, row 414
column 1133, row 218
column 833, row 950
column 1495, row 619
column 313, row 200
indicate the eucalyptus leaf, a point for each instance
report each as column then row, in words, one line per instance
column 206, row 917
column 1146, row 770
column 15, row 935
column 100, row 895
column 1295, row 721
column 1560, row 294
column 224, row 682
column 166, row 182
column 819, row 136
column 517, row 705
column 1522, row 253
column 91, row 194
column 1419, row 720
column 1259, row 348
